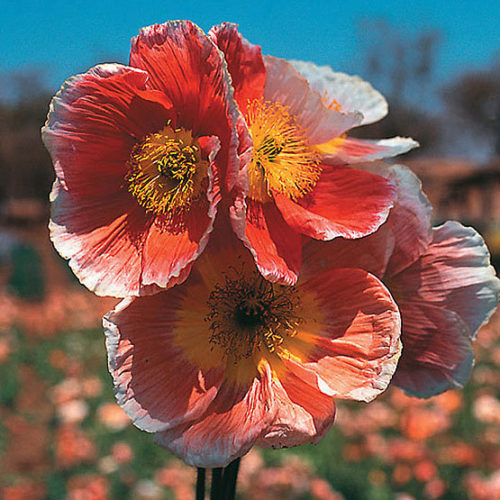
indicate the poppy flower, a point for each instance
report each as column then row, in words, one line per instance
column 293, row 183
column 142, row 154
column 228, row 360
column 441, row 279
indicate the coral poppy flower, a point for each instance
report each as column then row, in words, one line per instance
column 441, row 279
column 228, row 359
column 294, row 183
column 142, row 154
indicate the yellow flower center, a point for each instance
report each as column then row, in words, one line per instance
column 248, row 314
column 282, row 160
column 166, row 172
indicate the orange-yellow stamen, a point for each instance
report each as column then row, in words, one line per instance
column 166, row 172
column 331, row 103
column 282, row 160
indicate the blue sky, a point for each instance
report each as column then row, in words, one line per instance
column 68, row 37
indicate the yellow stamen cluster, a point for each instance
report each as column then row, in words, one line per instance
column 249, row 314
column 166, row 171
column 282, row 160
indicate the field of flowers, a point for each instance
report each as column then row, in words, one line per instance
column 63, row 436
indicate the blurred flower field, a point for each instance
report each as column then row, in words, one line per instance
column 62, row 435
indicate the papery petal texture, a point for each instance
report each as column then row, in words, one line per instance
column 296, row 160
column 440, row 278
column 116, row 136
column 351, row 93
column 194, row 365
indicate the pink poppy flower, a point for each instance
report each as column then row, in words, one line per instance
column 441, row 279
column 293, row 181
column 142, row 154
column 228, row 359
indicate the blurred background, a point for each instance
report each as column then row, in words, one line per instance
column 62, row 435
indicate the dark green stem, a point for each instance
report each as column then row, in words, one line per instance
column 216, row 487
column 200, row 484
column 229, row 479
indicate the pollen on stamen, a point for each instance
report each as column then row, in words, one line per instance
column 166, row 172
column 248, row 314
column 282, row 160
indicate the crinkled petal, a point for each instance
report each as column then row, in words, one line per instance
column 350, row 92
column 275, row 246
column 304, row 412
column 351, row 150
column 187, row 67
column 285, row 85
column 345, row 202
column 437, row 350
column 230, row 427
column 358, row 347
column 455, row 274
column 395, row 245
column 167, row 252
column 101, row 237
column 115, row 248
column 155, row 383
column 244, row 63
column 93, row 123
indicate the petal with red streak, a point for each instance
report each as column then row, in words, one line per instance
column 93, row 123
column 358, row 347
column 102, row 237
column 287, row 86
column 350, row 92
column 345, row 202
column 437, row 350
column 244, row 63
column 166, row 251
column 275, row 246
column 154, row 382
column 187, row 67
column 229, row 428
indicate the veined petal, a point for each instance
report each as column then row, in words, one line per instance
column 437, row 350
column 185, row 244
column 229, row 428
column 351, row 150
column 93, row 122
column 154, row 382
column 454, row 273
column 304, row 413
column 100, row 236
column 275, row 246
column 357, row 347
column 351, row 93
column 244, row 63
column 345, row 202
column 187, row 67
column 399, row 242
column 285, row 85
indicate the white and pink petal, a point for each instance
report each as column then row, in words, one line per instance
column 230, row 426
column 350, row 150
column 350, row 93
column 288, row 87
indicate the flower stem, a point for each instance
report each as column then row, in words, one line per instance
column 229, row 479
column 217, row 484
column 200, row 484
